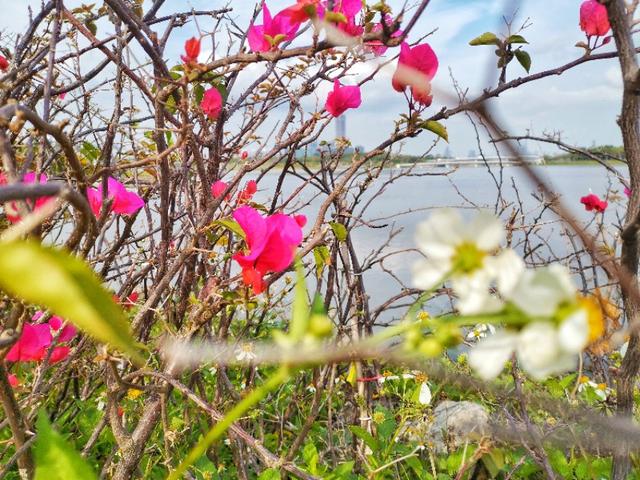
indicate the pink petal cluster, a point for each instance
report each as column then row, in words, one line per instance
column 211, row 103
column 271, row 243
column 273, row 31
column 342, row 98
column 124, row 201
column 4, row 64
column 594, row 20
column 244, row 196
column 36, row 338
column 11, row 208
column 349, row 8
column 218, row 188
column 416, row 68
column 592, row 202
column 627, row 191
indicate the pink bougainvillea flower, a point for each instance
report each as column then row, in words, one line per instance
column 128, row 302
column 244, row 155
column 4, row 64
column 627, row 191
column 11, row 208
column 32, row 344
column 191, row 50
column 348, row 8
column 218, row 188
column 342, row 98
column 592, row 202
column 416, row 68
column 351, row 28
column 124, row 201
column 271, row 244
column 62, row 96
column 249, row 191
column 13, row 380
column 594, row 20
column 68, row 331
column 36, row 338
column 304, row 10
column 266, row 37
column 58, row 354
column 376, row 46
column 211, row 103
column 55, row 322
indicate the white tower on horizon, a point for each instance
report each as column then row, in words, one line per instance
column 341, row 126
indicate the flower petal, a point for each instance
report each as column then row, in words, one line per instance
column 488, row 356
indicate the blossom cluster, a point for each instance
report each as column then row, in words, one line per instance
column 37, row 338
column 546, row 322
column 416, row 68
column 123, row 201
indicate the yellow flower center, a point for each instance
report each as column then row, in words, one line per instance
column 467, row 258
column 584, row 379
column 378, row 418
column 595, row 317
column 421, row 378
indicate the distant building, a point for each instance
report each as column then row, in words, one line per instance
column 341, row 126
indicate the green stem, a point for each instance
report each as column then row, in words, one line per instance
column 234, row 414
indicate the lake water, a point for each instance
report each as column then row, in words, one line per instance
column 402, row 204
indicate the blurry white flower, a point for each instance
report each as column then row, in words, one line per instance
column 425, row 394
column 465, row 253
column 542, row 347
column 540, row 351
column 480, row 331
column 245, row 353
column 451, row 245
column 539, row 292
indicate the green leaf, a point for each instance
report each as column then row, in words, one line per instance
column 343, row 469
column 437, row 128
column 270, row 474
column 90, row 151
column 339, row 230
column 494, row 462
column 198, row 93
column 55, row 459
column 322, row 257
column 66, row 286
column 487, row 38
column 516, row 39
column 231, row 225
column 310, row 456
column 387, row 429
column 524, row 58
column 365, row 436
column 300, row 310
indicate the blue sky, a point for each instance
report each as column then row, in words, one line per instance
column 582, row 104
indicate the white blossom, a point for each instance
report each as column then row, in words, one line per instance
column 425, row 394
column 465, row 253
